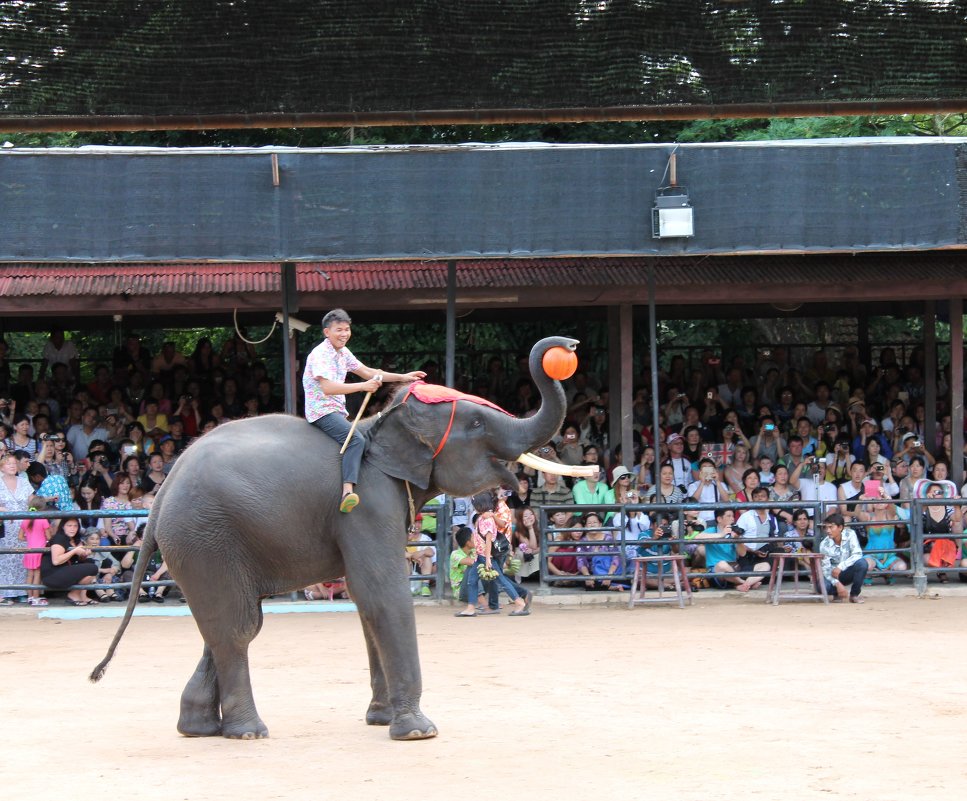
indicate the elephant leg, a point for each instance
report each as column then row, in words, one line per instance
column 200, row 715
column 228, row 634
column 380, row 712
column 386, row 608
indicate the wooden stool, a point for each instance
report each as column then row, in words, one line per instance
column 814, row 562
column 682, row 587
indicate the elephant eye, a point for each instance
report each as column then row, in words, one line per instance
column 477, row 423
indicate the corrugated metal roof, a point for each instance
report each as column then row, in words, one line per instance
column 67, row 280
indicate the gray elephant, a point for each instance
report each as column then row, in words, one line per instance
column 251, row 510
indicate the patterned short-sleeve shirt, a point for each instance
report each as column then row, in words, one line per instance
column 326, row 362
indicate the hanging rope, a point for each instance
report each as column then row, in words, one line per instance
column 251, row 341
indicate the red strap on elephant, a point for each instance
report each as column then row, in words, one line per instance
column 434, row 393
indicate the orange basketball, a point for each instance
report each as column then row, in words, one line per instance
column 560, row 363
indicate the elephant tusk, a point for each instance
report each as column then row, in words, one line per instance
column 547, row 466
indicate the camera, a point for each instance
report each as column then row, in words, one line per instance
column 917, row 443
column 709, row 394
column 694, row 525
column 50, row 437
column 738, row 530
column 878, row 467
column 730, row 428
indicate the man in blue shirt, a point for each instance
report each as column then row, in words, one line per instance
column 722, row 558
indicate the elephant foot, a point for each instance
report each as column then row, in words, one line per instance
column 412, row 726
column 379, row 715
column 210, row 728
column 245, row 730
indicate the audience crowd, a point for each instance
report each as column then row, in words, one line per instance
column 848, row 434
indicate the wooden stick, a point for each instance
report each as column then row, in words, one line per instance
column 352, row 430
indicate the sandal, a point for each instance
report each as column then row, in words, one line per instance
column 519, row 613
column 466, row 614
column 82, row 603
column 6, row 602
column 40, row 602
column 349, row 502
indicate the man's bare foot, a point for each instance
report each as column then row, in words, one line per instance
column 855, row 599
column 743, row 587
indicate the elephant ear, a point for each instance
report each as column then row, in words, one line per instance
column 402, row 444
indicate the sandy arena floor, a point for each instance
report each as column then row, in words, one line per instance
column 728, row 699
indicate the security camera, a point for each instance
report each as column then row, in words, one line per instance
column 294, row 323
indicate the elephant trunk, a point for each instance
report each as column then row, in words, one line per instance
column 519, row 436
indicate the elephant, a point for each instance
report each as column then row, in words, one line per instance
column 251, row 510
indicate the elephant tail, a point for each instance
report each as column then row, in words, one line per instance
column 148, row 547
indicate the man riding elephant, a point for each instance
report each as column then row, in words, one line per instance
column 324, row 382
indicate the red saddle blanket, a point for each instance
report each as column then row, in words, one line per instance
column 435, row 393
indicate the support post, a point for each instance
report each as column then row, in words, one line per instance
column 450, row 366
column 290, row 303
column 653, row 346
column 930, row 374
column 620, row 378
column 957, row 389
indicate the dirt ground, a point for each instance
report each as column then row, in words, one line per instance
column 729, row 698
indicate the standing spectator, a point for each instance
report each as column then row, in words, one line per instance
column 163, row 365
column 59, row 350
column 16, row 495
column 132, row 357
column 81, row 436
column 843, row 561
column 525, row 542
column 816, row 411
column 462, row 559
column 51, row 488
column 33, row 534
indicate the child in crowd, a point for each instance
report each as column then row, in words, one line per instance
column 34, row 534
column 108, row 566
column 766, row 476
column 461, row 558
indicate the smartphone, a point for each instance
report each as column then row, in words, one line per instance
column 872, row 486
column 708, row 395
column 904, row 396
column 769, row 427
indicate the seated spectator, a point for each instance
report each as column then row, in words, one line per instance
column 802, row 531
column 843, row 561
column 693, row 444
column 645, row 473
column 132, row 468
column 89, row 496
column 68, row 562
column 768, row 442
column 522, row 494
column 569, row 449
column 153, row 420
column 164, row 363
column 564, row 561
column 420, row 556
column 108, row 567
column 592, row 491
column 940, row 520
column 155, row 474
column 722, row 558
column 868, row 434
column 707, row 489
column 666, row 490
column 21, row 439
column 765, row 465
column 785, row 489
column 839, row 461
column 119, row 530
column 166, row 447
column 326, row 590
column 816, row 411
column 80, row 437
column 758, row 524
column 142, row 443
column 852, row 490
column 735, row 471
column 598, row 556
column 750, row 480
column 880, row 549
column 676, row 458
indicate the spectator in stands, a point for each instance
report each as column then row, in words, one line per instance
column 153, row 420
column 521, row 496
column 176, row 433
column 722, row 558
column 816, row 410
column 758, row 524
column 569, row 450
column 89, row 496
column 100, row 388
column 676, row 458
column 21, row 440
column 785, row 489
column 766, row 476
column 598, row 556
column 269, row 403
column 839, row 461
column 131, row 467
column 592, row 491
column 734, row 472
column 768, row 441
column 120, row 529
column 850, row 492
column 80, row 437
column 58, row 350
column 50, row 489
column 231, row 399
column 143, row 444
column 730, row 393
column 155, row 474
column 880, row 550
column 867, row 434
column 420, row 556
column 68, row 562
column 525, row 542
column 750, row 480
column 563, row 561
column 939, row 521
column 166, row 447
column 802, row 530
column 843, row 561
column 707, row 489
column 666, row 491
column 784, row 408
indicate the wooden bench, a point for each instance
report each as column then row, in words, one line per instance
column 682, row 589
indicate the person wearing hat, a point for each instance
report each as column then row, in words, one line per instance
column 166, row 447
column 912, row 446
column 868, row 430
column 676, row 458
column 843, row 561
